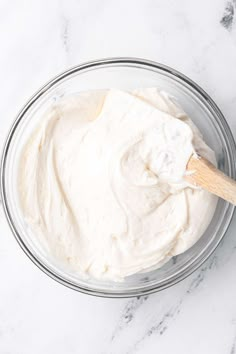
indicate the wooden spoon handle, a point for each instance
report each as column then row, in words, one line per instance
column 204, row 174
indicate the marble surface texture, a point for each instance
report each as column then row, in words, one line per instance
column 41, row 38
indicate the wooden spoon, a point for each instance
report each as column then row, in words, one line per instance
column 202, row 173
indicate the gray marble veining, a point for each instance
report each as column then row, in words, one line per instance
column 227, row 19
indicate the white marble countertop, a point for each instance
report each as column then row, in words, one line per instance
column 38, row 40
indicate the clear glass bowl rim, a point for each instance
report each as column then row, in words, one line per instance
column 131, row 62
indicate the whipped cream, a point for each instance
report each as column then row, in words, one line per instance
column 101, row 182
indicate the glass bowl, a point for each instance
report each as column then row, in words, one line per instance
column 124, row 73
